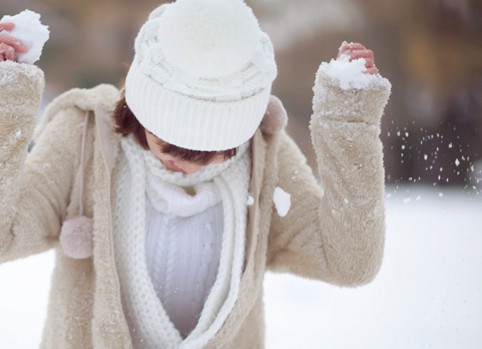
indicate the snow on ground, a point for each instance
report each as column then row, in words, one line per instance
column 428, row 293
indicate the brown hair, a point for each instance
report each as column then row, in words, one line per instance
column 127, row 123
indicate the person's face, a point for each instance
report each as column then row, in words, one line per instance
column 172, row 163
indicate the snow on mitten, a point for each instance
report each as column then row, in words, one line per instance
column 76, row 237
column 275, row 118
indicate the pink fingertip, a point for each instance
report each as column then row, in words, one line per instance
column 7, row 26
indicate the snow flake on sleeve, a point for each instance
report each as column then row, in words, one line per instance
column 282, row 201
column 250, row 201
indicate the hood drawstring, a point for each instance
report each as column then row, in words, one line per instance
column 76, row 235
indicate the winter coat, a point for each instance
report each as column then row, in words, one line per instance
column 333, row 231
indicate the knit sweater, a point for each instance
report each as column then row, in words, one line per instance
column 182, row 258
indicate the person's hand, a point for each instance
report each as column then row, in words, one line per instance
column 9, row 46
column 357, row 50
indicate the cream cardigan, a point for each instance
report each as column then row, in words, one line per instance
column 333, row 232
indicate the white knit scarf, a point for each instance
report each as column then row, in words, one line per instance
column 138, row 169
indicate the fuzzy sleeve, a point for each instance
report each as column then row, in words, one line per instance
column 334, row 230
column 34, row 187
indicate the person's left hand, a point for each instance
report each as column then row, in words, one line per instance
column 356, row 50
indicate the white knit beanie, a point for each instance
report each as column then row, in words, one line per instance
column 202, row 74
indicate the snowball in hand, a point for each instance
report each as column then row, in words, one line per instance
column 30, row 32
column 349, row 74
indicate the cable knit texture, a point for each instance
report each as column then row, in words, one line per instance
column 139, row 173
column 182, row 257
column 334, row 230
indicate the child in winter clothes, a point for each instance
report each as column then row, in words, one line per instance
column 161, row 199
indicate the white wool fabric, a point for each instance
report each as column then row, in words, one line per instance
column 208, row 51
column 183, row 244
column 140, row 173
column 202, row 74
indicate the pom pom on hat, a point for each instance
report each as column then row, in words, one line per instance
column 76, row 237
column 209, row 38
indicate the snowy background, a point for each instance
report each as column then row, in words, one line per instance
column 428, row 293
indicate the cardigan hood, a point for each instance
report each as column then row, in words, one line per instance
column 100, row 101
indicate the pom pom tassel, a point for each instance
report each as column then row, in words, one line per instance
column 275, row 118
column 76, row 237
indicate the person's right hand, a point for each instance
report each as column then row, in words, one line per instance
column 9, row 46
